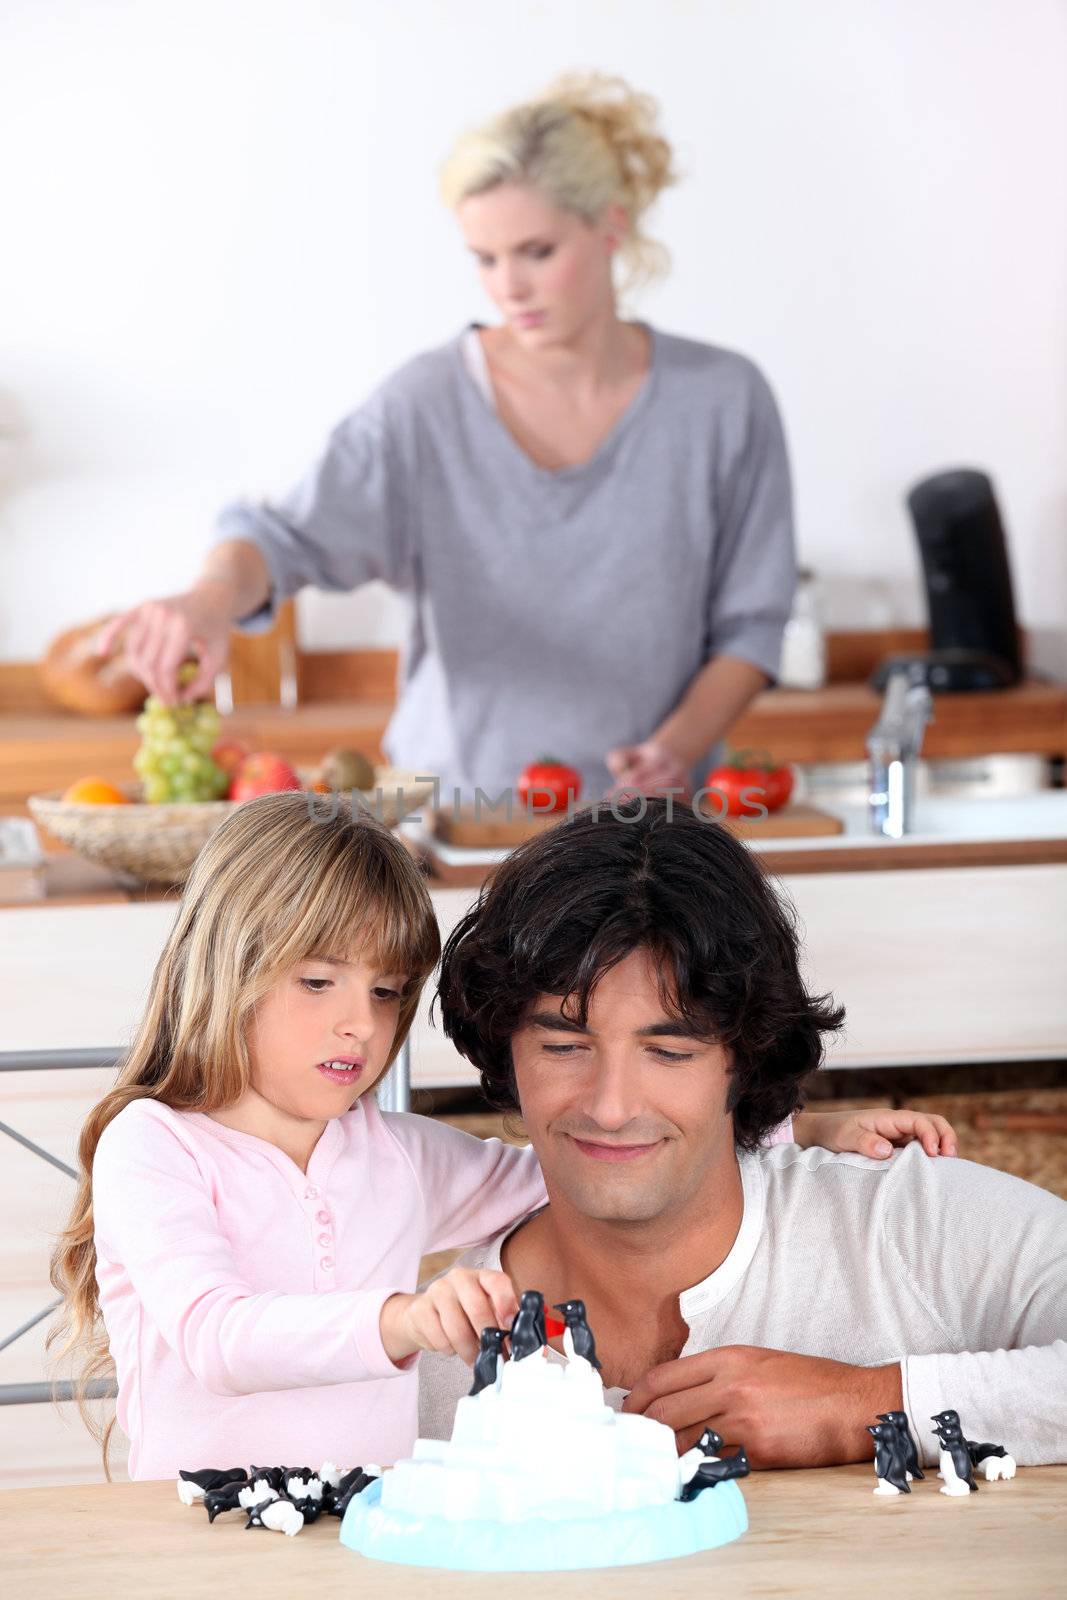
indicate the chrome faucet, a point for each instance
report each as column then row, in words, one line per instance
column 893, row 746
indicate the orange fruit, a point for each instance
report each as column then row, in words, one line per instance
column 95, row 792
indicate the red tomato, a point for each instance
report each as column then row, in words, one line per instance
column 778, row 783
column 745, row 787
column 262, row 773
column 547, row 785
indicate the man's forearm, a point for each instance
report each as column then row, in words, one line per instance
column 710, row 706
column 1017, row 1398
column 234, row 578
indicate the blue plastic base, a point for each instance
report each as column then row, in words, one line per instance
column 542, row 1544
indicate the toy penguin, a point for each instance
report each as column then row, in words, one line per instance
column 306, row 1495
column 956, row 1469
column 707, row 1448
column 577, row 1337
column 278, row 1514
column 193, row 1486
column 992, row 1458
column 349, row 1486
column 490, row 1355
column 274, row 1476
column 889, row 1459
column 256, row 1493
column 528, row 1329
column 226, row 1497
column 715, row 1470
column 899, row 1421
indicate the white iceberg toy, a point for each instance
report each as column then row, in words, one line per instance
column 541, row 1475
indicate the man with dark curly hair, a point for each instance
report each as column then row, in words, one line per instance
column 630, row 983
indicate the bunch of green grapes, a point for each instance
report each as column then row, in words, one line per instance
column 174, row 759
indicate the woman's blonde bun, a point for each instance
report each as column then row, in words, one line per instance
column 588, row 140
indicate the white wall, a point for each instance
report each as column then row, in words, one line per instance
column 221, row 228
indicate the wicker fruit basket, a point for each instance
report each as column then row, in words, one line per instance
column 158, row 844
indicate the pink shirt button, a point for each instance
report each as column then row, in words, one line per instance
column 325, row 1239
column 322, row 1216
column 326, row 1263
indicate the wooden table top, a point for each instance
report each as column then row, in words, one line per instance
column 817, row 1533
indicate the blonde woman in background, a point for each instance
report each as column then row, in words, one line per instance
column 591, row 516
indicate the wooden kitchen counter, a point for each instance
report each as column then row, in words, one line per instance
column 45, row 751
column 818, row 1533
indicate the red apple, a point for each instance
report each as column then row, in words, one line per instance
column 228, row 754
column 262, row 773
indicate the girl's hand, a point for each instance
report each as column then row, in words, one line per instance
column 449, row 1315
column 874, row 1133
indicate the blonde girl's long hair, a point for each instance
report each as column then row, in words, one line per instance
column 587, row 140
column 286, row 877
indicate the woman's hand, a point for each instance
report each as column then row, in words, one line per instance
column 650, row 768
column 874, row 1133
column 158, row 635
column 449, row 1315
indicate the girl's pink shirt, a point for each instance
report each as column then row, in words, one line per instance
column 241, row 1296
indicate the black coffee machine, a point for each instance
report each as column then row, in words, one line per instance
column 973, row 634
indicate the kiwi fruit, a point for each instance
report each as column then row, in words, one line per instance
column 346, row 769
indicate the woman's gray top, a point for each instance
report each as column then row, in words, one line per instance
column 552, row 612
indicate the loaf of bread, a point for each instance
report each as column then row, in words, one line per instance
column 75, row 678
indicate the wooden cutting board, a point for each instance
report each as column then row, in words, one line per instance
column 467, row 830
column 797, row 821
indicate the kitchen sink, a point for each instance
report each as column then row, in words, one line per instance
column 942, row 818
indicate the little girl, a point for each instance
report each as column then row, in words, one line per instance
column 246, row 1238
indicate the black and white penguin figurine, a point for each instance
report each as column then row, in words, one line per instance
column 278, row 1514
column 956, row 1471
column 306, row 1493
column 225, row 1497
column 193, row 1486
column 715, row 1470
column 348, row 1487
column 581, row 1341
column 257, row 1492
column 899, row 1420
column 490, row 1355
column 528, row 1328
column 275, row 1476
column 993, row 1459
column 707, row 1448
column 889, row 1459
column 946, row 1419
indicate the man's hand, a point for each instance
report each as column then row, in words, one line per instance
column 874, row 1133
column 449, row 1315
column 787, row 1410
